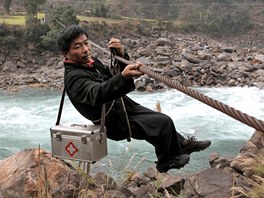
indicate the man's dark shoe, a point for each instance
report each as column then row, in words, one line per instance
column 175, row 163
column 192, row 145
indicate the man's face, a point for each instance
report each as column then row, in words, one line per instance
column 80, row 50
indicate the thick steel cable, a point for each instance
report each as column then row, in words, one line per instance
column 232, row 112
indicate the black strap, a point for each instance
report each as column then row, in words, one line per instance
column 61, row 106
column 102, row 119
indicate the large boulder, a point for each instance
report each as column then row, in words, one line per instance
column 35, row 173
column 248, row 155
column 213, row 183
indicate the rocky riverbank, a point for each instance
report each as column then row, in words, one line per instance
column 193, row 60
column 35, row 173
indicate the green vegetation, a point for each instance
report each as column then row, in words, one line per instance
column 258, row 184
column 21, row 19
column 221, row 18
column 99, row 19
column 7, row 4
column 61, row 16
column 17, row 19
column 256, row 179
column 102, row 10
column 34, row 29
column 257, row 190
column 13, row 20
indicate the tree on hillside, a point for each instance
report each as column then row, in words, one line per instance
column 61, row 16
column 34, row 29
column 102, row 10
column 31, row 7
column 158, row 9
column 7, row 5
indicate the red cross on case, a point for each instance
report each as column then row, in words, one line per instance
column 71, row 149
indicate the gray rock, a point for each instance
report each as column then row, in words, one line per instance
column 9, row 66
column 247, row 157
column 260, row 57
column 20, row 64
column 258, row 73
column 204, row 55
column 163, row 41
column 223, row 57
column 191, row 58
column 145, row 191
column 101, row 180
column 212, row 183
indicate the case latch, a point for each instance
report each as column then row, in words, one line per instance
column 83, row 139
column 58, row 136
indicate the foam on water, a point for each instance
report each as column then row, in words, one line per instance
column 26, row 118
column 194, row 117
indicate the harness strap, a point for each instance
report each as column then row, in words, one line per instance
column 61, row 106
column 103, row 115
column 115, row 69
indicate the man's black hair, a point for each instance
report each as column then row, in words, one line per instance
column 67, row 35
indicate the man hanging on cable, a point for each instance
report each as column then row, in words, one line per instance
column 89, row 84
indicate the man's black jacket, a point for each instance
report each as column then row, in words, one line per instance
column 88, row 88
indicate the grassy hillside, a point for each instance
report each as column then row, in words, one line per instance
column 220, row 18
column 20, row 19
column 16, row 19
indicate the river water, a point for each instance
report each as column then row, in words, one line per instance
column 26, row 118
